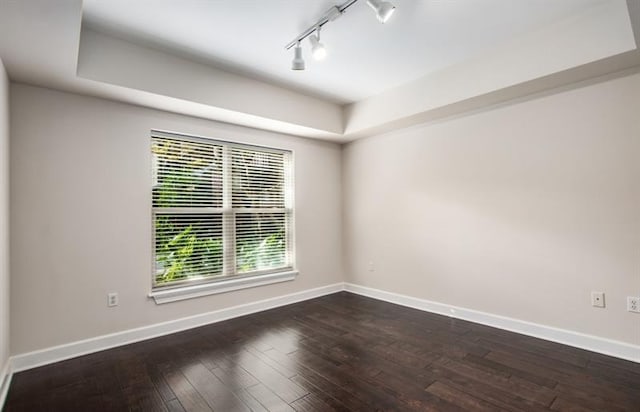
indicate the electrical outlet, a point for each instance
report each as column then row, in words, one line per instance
column 633, row 304
column 597, row 299
column 112, row 300
column 371, row 267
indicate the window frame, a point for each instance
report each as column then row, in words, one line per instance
column 229, row 279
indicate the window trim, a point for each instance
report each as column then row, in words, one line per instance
column 190, row 291
column 202, row 287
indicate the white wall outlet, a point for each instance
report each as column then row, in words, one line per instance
column 112, row 300
column 597, row 299
column 633, row 304
column 371, row 266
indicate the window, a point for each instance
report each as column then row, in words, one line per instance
column 222, row 212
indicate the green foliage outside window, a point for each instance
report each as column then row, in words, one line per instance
column 189, row 245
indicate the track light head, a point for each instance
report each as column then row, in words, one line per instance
column 318, row 51
column 383, row 9
column 298, row 62
column 333, row 13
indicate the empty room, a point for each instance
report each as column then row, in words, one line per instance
column 319, row 205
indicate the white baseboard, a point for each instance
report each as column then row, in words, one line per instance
column 71, row 350
column 5, row 381
column 579, row 340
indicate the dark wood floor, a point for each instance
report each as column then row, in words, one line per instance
column 341, row 352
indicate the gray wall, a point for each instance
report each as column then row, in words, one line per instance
column 80, row 209
column 4, row 219
column 519, row 211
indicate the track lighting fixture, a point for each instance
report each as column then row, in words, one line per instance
column 298, row 61
column 383, row 9
column 318, row 51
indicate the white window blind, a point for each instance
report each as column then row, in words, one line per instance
column 220, row 210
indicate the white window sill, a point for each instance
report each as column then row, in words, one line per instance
column 204, row 289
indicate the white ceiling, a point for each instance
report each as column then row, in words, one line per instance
column 365, row 57
column 224, row 60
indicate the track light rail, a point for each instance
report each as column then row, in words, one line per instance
column 329, row 16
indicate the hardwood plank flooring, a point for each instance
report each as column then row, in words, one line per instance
column 341, row 352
